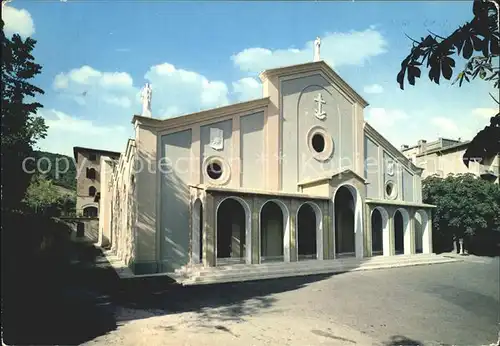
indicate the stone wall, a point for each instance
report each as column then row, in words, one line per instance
column 123, row 207
column 89, row 226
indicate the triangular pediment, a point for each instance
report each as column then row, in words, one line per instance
column 319, row 66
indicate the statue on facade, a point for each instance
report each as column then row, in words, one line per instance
column 146, row 95
column 317, row 44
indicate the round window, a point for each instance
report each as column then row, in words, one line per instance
column 216, row 170
column 318, row 142
column 390, row 190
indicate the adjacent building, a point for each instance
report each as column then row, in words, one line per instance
column 444, row 156
column 88, row 186
column 297, row 175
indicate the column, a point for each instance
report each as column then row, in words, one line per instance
column 209, row 232
column 427, row 236
column 388, row 237
column 256, row 205
column 288, row 232
column 369, row 233
column 358, row 226
column 294, row 205
column 327, row 231
column 409, row 239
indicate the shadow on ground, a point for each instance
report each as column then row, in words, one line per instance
column 81, row 301
column 400, row 340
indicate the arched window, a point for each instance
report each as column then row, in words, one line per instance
column 92, row 191
column 90, row 212
column 91, row 173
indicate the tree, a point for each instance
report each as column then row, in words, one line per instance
column 465, row 205
column 41, row 194
column 21, row 127
column 476, row 41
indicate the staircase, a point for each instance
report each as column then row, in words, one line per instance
column 199, row 275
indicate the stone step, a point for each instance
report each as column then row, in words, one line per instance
column 285, row 270
column 288, row 267
column 309, row 264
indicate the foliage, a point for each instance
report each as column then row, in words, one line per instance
column 464, row 203
column 21, row 127
column 41, row 194
column 43, row 197
column 60, row 169
column 476, row 41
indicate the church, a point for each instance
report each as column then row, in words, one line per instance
column 296, row 178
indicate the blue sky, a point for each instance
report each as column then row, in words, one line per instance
column 96, row 56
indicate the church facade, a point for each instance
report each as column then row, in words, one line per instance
column 297, row 175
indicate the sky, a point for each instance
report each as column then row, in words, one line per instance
column 97, row 55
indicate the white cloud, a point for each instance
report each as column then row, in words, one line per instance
column 64, row 132
column 446, row 127
column 383, row 118
column 407, row 127
column 337, row 49
column 374, row 89
column 485, row 113
column 118, row 101
column 177, row 91
column 116, row 80
column 83, row 83
column 247, row 89
column 17, row 21
column 87, row 76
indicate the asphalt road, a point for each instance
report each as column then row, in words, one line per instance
column 441, row 304
column 453, row 303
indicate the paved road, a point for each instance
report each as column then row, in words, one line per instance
column 450, row 304
column 455, row 303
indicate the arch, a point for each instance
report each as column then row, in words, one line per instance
column 91, row 173
column 353, row 210
column 92, row 191
column 315, row 245
column 283, row 229
column 247, row 253
column 380, row 231
column 90, row 211
column 421, row 231
column 197, row 232
column 402, row 239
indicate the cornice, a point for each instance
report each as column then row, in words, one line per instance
column 329, row 176
column 210, row 188
column 311, row 67
column 399, row 203
column 192, row 118
column 391, row 149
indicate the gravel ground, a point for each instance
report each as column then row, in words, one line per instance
column 442, row 304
